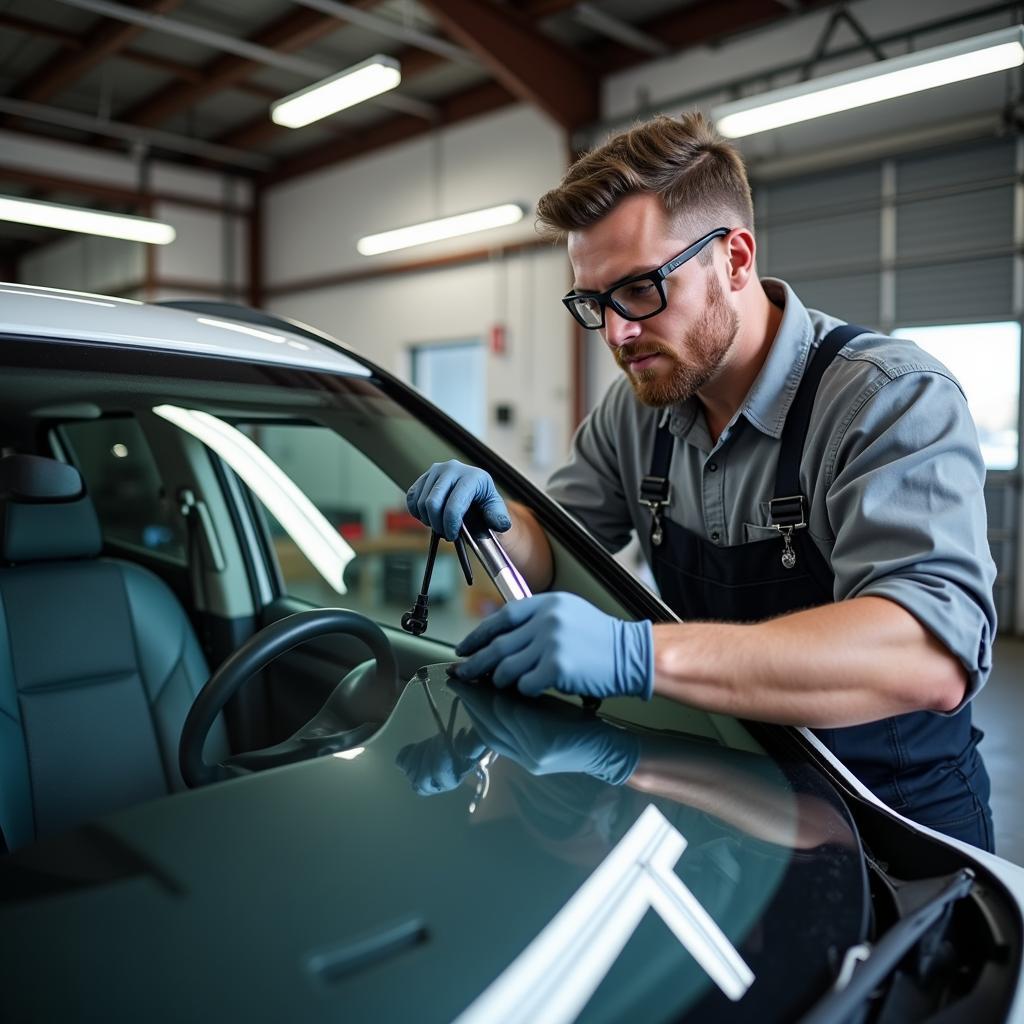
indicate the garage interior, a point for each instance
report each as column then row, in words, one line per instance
column 907, row 215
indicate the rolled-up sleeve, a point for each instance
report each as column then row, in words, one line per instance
column 906, row 505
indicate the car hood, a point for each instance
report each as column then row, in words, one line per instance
column 374, row 884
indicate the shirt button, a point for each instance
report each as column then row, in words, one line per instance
column 714, row 536
column 712, row 467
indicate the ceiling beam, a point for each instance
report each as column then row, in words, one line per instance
column 481, row 99
column 356, row 14
column 532, row 67
column 133, row 134
column 36, row 28
column 544, row 8
column 704, row 22
column 175, row 68
column 295, row 30
column 52, row 183
column 103, row 40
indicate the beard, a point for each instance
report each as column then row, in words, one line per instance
column 706, row 345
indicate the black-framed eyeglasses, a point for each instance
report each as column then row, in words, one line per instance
column 635, row 298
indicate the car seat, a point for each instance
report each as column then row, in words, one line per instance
column 99, row 664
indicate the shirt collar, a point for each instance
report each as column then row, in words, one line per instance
column 775, row 386
column 772, row 392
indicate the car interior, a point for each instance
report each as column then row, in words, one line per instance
column 136, row 560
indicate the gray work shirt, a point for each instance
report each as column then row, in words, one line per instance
column 891, row 469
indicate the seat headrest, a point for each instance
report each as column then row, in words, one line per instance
column 45, row 513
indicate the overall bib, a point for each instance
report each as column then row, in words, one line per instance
column 922, row 764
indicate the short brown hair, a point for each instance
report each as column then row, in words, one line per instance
column 699, row 177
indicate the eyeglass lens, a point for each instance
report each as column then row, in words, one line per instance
column 634, row 300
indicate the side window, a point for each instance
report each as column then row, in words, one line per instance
column 123, row 480
column 390, row 547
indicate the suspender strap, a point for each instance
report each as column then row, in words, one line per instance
column 788, row 507
column 655, row 491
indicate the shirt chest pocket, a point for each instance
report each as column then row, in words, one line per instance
column 758, row 527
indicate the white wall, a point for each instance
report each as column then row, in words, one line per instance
column 313, row 223
column 384, row 318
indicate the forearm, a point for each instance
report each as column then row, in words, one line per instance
column 838, row 665
column 527, row 545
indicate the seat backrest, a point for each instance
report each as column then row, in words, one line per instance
column 99, row 664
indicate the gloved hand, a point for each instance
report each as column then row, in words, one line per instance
column 561, row 641
column 547, row 743
column 435, row 766
column 441, row 497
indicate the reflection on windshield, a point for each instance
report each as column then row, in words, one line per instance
column 740, row 788
column 770, row 852
column 555, row 976
column 305, row 524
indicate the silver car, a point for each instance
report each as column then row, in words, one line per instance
column 234, row 787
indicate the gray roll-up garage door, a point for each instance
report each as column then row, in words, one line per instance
column 922, row 240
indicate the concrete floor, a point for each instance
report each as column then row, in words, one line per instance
column 999, row 713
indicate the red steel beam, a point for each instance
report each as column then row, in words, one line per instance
column 531, row 66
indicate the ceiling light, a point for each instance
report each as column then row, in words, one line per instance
column 360, row 82
column 89, row 222
column 435, row 230
column 884, row 80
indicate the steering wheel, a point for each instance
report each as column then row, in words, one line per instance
column 328, row 731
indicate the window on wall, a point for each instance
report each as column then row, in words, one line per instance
column 454, row 377
column 985, row 358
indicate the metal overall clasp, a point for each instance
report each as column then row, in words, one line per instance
column 655, row 493
column 787, row 515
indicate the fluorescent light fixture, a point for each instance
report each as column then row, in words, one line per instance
column 872, row 83
column 446, row 227
column 555, row 976
column 360, row 82
column 314, row 536
column 88, row 222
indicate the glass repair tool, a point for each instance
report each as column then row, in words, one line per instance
column 414, row 621
column 493, row 557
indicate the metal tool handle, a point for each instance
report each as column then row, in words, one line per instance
column 495, row 560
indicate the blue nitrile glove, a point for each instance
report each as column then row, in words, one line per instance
column 561, row 641
column 547, row 743
column 436, row 766
column 441, row 497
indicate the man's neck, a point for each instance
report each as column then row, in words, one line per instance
column 726, row 393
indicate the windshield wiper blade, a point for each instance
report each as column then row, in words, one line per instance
column 854, row 986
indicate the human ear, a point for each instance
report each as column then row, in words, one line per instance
column 740, row 249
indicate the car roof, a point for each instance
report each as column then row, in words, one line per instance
column 35, row 311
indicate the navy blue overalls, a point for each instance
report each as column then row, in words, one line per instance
column 922, row 764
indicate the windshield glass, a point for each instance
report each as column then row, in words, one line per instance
column 770, row 851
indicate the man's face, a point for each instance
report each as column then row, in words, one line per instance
column 671, row 356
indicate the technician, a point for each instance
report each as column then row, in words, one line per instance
column 808, row 493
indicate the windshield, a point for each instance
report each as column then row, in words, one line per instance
column 766, row 839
